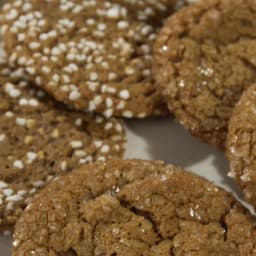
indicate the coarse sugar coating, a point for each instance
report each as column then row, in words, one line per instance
column 41, row 139
column 204, row 59
column 92, row 54
column 241, row 143
column 134, row 207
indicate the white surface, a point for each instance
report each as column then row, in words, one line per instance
column 163, row 139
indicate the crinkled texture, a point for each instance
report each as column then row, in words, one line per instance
column 134, row 207
column 40, row 139
column 95, row 55
column 204, row 59
column 241, row 140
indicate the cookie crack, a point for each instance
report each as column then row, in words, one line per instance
column 93, row 235
column 70, row 252
column 247, row 63
column 224, row 226
column 146, row 215
column 172, row 253
column 223, row 222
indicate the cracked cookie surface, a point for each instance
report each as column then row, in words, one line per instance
column 134, row 207
column 241, row 140
column 95, row 55
column 204, row 59
column 41, row 139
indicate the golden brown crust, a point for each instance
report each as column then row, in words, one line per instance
column 41, row 139
column 93, row 55
column 241, row 144
column 134, row 207
column 204, row 59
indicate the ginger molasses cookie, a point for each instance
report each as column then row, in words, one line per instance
column 204, row 59
column 241, row 140
column 95, row 55
column 40, row 140
column 134, row 208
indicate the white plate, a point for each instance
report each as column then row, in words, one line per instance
column 163, row 139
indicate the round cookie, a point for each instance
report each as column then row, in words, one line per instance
column 135, row 208
column 241, row 140
column 40, row 139
column 204, row 59
column 95, row 55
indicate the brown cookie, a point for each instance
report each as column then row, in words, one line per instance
column 134, row 208
column 241, row 140
column 94, row 55
column 40, row 139
column 204, row 59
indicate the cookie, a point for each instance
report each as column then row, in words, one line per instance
column 94, row 55
column 134, row 207
column 204, row 59
column 241, row 139
column 40, row 139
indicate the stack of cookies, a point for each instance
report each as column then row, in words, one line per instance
column 70, row 70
